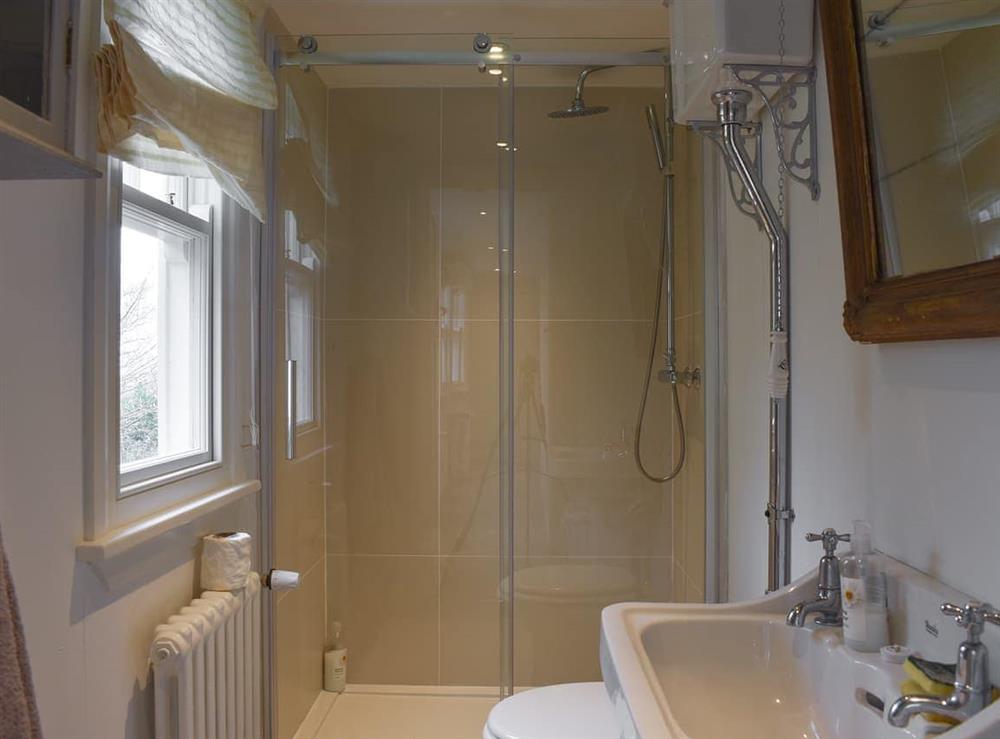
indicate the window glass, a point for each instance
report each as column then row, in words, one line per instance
column 24, row 32
column 191, row 194
column 166, row 355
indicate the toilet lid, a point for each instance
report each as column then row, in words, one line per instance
column 573, row 711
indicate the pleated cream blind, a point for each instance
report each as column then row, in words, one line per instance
column 182, row 89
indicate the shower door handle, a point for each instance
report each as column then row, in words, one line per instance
column 290, row 382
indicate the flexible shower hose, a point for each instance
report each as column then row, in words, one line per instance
column 660, row 274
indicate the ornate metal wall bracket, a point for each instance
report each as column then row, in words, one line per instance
column 795, row 128
column 751, row 132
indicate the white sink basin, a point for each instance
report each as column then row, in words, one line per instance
column 720, row 671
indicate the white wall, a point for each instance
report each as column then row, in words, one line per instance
column 87, row 644
column 905, row 435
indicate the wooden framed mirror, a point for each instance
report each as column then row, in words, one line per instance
column 915, row 105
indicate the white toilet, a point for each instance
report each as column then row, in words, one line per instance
column 571, row 711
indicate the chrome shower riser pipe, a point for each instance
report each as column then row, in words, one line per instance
column 663, row 142
column 731, row 109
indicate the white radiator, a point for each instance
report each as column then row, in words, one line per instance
column 206, row 668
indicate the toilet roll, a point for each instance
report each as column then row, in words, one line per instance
column 225, row 560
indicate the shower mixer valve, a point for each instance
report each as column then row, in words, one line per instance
column 688, row 377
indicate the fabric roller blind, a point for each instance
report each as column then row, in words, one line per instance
column 182, row 89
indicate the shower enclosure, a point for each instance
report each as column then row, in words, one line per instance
column 463, row 290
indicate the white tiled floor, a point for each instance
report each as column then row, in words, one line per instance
column 415, row 715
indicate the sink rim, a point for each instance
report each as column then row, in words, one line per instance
column 914, row 602
column 634, row 678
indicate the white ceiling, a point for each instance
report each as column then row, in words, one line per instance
column 550, row 24
column 537, row 18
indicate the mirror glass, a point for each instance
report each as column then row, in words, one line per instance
column 24, row 44
column 932, row 72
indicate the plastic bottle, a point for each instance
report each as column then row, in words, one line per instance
column 335, row 663
column 863, row 593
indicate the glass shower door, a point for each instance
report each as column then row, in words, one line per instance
column 413, row 237
column 589, row 530
column 461, row 495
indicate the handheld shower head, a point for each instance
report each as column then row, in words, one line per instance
column 654, row 131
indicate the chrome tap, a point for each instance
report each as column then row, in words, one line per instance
column 973, row 690
column 827, row 604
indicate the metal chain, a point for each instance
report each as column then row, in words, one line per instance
column 779, row 133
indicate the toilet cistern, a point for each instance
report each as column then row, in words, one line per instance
column 827, row 604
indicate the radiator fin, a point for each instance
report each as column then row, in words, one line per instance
column 207, row 668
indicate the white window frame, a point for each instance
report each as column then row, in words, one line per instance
column 234, row 464
column 136, row 477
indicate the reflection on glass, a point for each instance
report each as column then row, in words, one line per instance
column 24, row 31
column 301, row 334
column 453, row 336
column 933, row 70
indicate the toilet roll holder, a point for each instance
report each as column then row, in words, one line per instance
column 279, row 580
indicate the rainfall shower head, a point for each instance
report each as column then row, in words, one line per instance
column 578, row 108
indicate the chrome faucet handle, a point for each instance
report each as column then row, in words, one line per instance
column 830, row 538
column 972, row 616
column 972, row 690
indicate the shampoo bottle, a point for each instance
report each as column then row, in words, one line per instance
column 335, row 663
column 863, row 593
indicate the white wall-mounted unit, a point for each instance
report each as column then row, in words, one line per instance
column 706, row 35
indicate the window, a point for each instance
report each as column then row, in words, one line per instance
column 172, row 276
column 172, row 388
column 165, row 348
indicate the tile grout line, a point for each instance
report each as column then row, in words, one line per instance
column 324, row 389
column 581, row 557
column 437, row 359
column 391, row 319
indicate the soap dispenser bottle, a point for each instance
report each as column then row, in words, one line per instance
column 863, row 594
column 335, row 663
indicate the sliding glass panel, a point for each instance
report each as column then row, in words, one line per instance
column 302, row 454
column 590, row 529
column 396, row 171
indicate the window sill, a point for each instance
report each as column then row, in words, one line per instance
column 106, row 552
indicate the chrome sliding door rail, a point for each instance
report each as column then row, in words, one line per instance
column 460, row 58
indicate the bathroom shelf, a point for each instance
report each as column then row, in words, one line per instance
column 23, row 157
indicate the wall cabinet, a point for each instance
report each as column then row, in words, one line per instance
column 35, row 73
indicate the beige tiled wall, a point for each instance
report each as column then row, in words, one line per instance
column 411, row 350
column 688, row 490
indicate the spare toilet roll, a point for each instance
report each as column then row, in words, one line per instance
column 225, row 561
